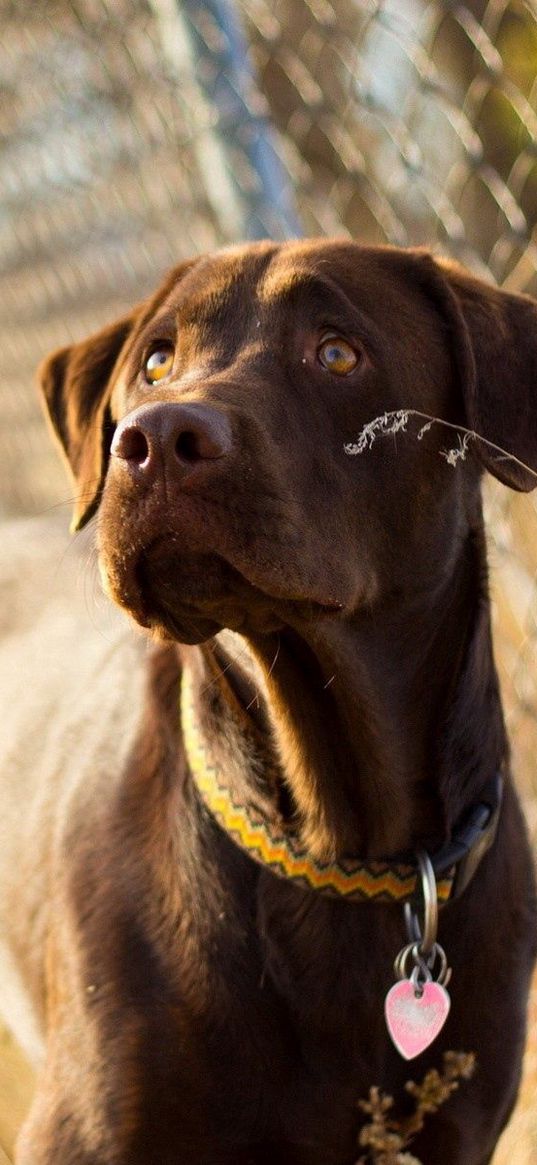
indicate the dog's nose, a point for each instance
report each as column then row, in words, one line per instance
column 180, row 438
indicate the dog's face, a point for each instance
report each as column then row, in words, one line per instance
column 210, row 427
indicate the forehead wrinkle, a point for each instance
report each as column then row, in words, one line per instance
column 277, row 284
column 211, row 321
column 162, row 327
column 209, row 305
column 217, row 282
column 280, row 287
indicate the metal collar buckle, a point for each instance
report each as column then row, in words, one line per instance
column 472, row 838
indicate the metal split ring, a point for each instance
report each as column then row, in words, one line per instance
column 424, row 933
column 423, row 969
column 423, row 959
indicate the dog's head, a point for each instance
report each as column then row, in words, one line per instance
column 209, row 428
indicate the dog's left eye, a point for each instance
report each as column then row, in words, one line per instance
column 337, row 356
column 159, row 363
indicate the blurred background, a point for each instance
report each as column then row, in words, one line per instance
column 137, row 132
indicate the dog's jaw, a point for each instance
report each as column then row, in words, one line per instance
column 185, row 575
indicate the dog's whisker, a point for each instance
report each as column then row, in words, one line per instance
column 254, row 702
column 276, row 654
column 241, row 654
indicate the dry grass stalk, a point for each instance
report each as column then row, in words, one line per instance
column 385, row 1138
column 390, row 423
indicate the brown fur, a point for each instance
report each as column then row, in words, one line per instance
column 195, row 1007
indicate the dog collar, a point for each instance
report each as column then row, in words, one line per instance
column 350, row 878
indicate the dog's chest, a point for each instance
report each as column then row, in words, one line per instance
column 291, row 1033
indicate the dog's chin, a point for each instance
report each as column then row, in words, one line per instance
column 189, row 598
column 189, row 623
column 194, row 628
column 168, row 628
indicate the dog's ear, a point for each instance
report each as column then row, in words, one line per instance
column 76, row 383
column 494, row 342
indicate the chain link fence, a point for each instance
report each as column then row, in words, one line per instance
column 137, row 132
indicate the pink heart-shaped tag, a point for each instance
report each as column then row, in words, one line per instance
column 414, row 1021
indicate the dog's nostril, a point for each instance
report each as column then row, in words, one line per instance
column 187, row 447
column 132, row 445
column 207, row 439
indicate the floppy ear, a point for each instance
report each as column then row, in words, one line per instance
column 76, row 384
column 494, row 337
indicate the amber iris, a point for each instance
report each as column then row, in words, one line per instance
column 337, row 356
column 158, row 364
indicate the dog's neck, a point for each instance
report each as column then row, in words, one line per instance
column 362, row 717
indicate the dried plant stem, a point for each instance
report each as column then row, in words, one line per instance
column 387, row 1139
column 396, row 421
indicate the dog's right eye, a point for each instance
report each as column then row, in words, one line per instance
column 159, row 363
column 337, row 356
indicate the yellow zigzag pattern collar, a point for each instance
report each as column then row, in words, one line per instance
column 350, row 878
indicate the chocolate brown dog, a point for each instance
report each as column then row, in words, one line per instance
column 206, row 917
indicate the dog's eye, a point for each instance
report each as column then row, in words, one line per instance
column 159, row 363
column 337, row 356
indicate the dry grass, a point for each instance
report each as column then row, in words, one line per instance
column 514, row 592
column 518, row 1145
column 16, row 1087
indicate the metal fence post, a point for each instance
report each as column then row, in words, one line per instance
column 245, row 180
